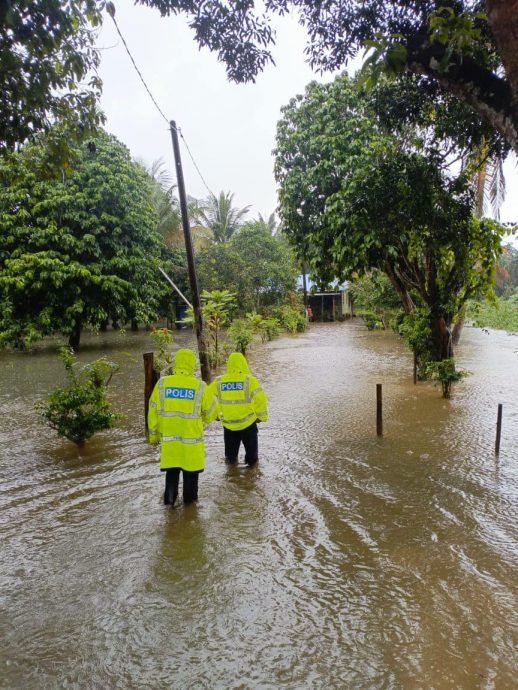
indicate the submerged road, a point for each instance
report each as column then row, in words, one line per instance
column 342, row 561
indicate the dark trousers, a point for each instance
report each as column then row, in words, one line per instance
column 250, row 441
column 190, row 486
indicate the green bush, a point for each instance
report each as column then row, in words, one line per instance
column 269, row 329
column 81, row 408
column 446, row 374
column 502, row 314
column 372, row 320
column 291, row 319
column 240, row 334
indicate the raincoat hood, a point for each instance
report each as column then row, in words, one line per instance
column 184, row 362
column 237, row 364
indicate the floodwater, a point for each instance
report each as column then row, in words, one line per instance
column 342, row 561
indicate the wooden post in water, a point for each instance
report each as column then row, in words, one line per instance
column 498, row 429
column 379, row 410
column 150, row 378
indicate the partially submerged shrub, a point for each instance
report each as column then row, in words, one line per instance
column 80, row 409
column 292, row 319
column 241, row 334
column 269, row 329
column 445, row 373
column 372, row 320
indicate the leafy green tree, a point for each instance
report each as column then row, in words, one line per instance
column 258, row 267
column 355, row 197
column 467, row 48
column 374, row 297
column 81, row 408
column 76, row 251
column 47, row 52
column 219, row 216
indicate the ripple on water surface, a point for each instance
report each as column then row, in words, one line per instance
column 342, row 561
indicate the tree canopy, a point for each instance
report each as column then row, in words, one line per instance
column 355, row 196
column 78, row 250
column 46, row 51
column 258, row 268
column 466, row 46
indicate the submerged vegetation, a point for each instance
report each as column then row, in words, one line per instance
column 80, row 409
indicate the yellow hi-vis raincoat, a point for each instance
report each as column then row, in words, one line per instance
column 178, row 407
column 240, row 395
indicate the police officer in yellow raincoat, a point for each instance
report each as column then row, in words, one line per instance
column 179, row 406
column 243, row 403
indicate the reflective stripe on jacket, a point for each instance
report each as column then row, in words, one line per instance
column 178, row 407
column 241, row 399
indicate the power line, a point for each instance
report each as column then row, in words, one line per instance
column 194, row 162
column 112, row 15
column 111, row 11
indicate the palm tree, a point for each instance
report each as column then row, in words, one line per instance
column 219, row 216
column 271, row 223
column 165, row 203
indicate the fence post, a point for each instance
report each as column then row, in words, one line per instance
column 379, row 410
column 498, row 429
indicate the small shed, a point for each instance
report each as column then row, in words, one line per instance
column 331, row 304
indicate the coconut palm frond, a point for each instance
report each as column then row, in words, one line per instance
column 161, row 175
column 219, row 215
column 494, row 188
column 270, row 223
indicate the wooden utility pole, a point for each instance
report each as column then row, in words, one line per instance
column 198, row 321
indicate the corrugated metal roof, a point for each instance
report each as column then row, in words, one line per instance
column 331, row 289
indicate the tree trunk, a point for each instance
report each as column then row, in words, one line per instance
column 442, row 339
column 75, row 336
column 406, row 300
column 134, row 325
column 458, row 326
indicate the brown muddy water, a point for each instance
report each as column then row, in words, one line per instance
column 342, row 561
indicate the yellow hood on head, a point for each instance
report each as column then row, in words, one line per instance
column 237, row 364
column 184, row 362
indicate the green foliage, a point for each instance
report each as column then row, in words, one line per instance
column 76, row 251
column 241, row 334
column 258, row 268
column 372, row 320
column 219, row 216
column 290, row 318
column 500, row 314
column 375, row 299
column 217, row 308
column 446, row 374
column 467, row 52
column 164, row 358
column 355, row 197
column 269, row 329
column 80, row 409
column 48, row 66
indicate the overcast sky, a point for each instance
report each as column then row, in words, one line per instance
column 230, row 128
